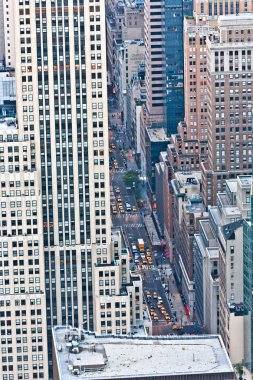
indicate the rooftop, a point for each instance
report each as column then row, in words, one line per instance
column 213, row 252
column 206, row 228
column 236, row 18
column 8, row 124
column 228, row 230
column 157, row 134
column 232, row 185
column 231, row 211
column 188, row 186
column 223, row 199
column 188, row 178
column 105, row 357
column 245, row 180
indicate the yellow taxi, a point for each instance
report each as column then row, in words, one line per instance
column 114, row 210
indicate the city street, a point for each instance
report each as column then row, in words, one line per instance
column 157, row 278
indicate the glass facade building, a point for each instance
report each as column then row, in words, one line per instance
column 175, row 11
column 247, row 289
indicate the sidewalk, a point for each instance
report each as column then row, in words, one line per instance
column 174, row 296
column 151, row 230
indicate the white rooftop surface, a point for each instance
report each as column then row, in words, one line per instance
column 245, row 180
column 149, row 357
column 231, row 211
column 157, row 134
column 4, row 126
column 239, row 16
column 182, row 176
column 232, row 185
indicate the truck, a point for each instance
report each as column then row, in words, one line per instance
column 141, row 245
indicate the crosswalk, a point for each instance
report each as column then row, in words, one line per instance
column 118, row 216
column 140, row 268
column 120, row 170
column 134, row 225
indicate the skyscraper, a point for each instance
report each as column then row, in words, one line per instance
column 175, row 11
column 23, row 353
column 215, row 8
column 62, row 107
column 62, row 101
column 229, row 90
column 154, row 61
column 7, row 39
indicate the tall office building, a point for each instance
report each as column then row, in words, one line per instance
column 247, row 289
column 23, row 353
column 7, row 35
column 155, row 73
column 215, row 8
column 196, row 30
column 175, row 11
column 62, row 107
column 229, row 89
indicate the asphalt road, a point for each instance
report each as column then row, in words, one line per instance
column 133, row 225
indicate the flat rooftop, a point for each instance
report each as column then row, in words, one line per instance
column 157, row 134
column 237, row 17
column 245, row 180
column 232, row 185
column 223, row 199
column 8, row 125
column 185, row 178
column 126, row 357
column 231, row 211
column 206, row 228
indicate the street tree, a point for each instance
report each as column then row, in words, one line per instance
column 131, row 178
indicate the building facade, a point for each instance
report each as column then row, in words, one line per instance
column 152, row 358
column 7, row 92
column 214, row 9
column 187, row 211
column 156, row 141
column 8, row 40
column 175, row 11
column 23, row 352
column 62, row 108
column 247, row 293
column 154, row 23
column 229, row 88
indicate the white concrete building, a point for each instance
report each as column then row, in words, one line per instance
column 223, row 232
column 129, row 56
column 8, row 40
column 82, row 354
column 23, row 353
column 62, row 117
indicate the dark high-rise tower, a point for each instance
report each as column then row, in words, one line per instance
column 175, row 11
